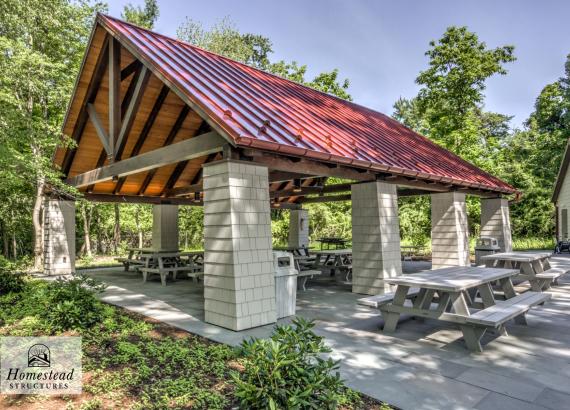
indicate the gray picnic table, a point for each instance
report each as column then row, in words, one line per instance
column 534, row 267
column 458, row 295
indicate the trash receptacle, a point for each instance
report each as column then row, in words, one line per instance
column 285, row 284
column 485, row 246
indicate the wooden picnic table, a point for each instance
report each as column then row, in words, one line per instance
column 474, row 312
column 165, row 263
column 533, row 267
column 334, row 259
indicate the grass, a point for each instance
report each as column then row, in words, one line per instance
column 132, row 362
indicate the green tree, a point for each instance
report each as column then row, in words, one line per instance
column 449, row 105
column 41, row 47
column 255, row 50
column 449, row 109
column 142, row 16
column 534, row 155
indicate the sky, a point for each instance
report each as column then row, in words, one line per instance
column 379, row 45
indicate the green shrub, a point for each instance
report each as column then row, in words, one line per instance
column 71, row 304
column 288, row 372
column 10, row 281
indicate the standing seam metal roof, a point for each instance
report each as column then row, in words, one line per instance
column 264, row 111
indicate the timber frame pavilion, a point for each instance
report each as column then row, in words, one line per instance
column 156, row 120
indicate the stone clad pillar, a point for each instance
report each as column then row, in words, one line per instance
column 376, row 251
column 59, row 237
column 299, row 228
column 165, row 227
column 449, row 230
column 239, row 281
column 496, row 222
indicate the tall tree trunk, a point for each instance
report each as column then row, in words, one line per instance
column 138, row 224
column 86, row 214
column 98, row 244
column 117, row 232
column 5, row 241
column 14, row 246
column 38, row 226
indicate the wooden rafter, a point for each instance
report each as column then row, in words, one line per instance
column 90, row 95
column 181, row 166
column 99, row 129
column 114, row 95
column 171, row 136
column 187, row 149
column 132, row 109
column 124, row 105
column 144, row 132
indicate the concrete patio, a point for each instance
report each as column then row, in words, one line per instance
column 424, row 365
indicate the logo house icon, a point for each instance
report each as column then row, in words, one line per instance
column 39, row 356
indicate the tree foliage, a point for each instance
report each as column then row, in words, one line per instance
column 142, row 16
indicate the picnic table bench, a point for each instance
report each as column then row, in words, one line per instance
column 534, row 267
column 458, row 295
column 305, row 272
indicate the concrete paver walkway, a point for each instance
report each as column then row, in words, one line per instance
column 424, row 365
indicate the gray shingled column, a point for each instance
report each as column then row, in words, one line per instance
column 59, row 237
column 375, row 237
column 165, row 227
column 299, row 228
column 449, row 230
column 495, row 221
column 239, row 282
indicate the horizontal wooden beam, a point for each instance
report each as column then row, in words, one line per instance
column 325, row 198
column 140, row 199
column 307, row 167
column 185, row 190
column 188, row 149
column 308, row 190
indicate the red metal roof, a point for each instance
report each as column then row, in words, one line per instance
column 263, row 111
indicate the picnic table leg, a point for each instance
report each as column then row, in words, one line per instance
column 486, row 295
column 472, row 336
column 529, row 270
column 391, row 318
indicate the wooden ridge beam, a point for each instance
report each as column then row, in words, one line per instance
column 188, row 149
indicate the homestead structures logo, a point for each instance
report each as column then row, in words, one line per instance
column 40, row 365
column 39, row 356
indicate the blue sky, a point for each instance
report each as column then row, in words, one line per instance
column 379, row 46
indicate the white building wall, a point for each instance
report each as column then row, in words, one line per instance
column 239, row 282
column 165, row 227
column 449, row 230
column 376, row 251
column 496, row 221
column 299, row 228
column 59, row 237
column 563, row 202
